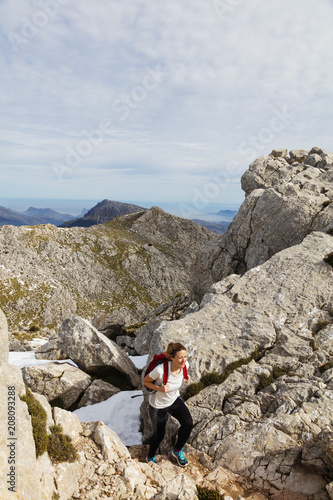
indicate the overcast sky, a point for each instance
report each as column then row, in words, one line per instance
column 147, row 100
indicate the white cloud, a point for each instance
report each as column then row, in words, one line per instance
column 187, row 89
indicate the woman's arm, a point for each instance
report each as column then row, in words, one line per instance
column 149, row 383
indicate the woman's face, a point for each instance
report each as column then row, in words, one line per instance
column 180, row 359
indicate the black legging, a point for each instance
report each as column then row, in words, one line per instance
column 158, row 416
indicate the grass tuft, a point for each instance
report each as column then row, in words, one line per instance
column 38, row 421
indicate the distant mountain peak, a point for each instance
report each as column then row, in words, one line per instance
column 102, row 212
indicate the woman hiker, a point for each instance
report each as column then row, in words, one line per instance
column 165, row 399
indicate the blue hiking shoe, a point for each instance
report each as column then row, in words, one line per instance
column 151, row 459
column 180, row 457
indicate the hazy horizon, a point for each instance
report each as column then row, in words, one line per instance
column 75, row 206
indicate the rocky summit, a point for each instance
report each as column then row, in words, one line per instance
column 129, row 265
column 287, row 196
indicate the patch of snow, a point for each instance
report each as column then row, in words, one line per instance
column 28, row 358
column 139, row 361
column 121, row 413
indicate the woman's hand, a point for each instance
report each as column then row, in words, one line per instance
column 164, row 388
column 187, row 380
column 149, row 383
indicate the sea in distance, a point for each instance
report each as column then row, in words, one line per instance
column 207, row 212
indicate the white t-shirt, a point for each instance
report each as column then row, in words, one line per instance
column 164, row 399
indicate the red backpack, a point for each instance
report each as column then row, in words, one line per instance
column 158, row 359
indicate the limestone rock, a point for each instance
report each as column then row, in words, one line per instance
column 97, row 391
column 110, row 325
column 126, row 343
column 32, row 477
column 67, row 478
column 144, row 335
column 92, row 351
column 278, row 152
column 271, row 410
column 179, row 488
column 50, row 350
column 298, row 155
column 283, row 204
column 110, row 444
column 171, row 309
column 312, row 159
column 60, row 305
column 3, row 338
column 45, row 404
column 69, row 422
column 329, row 489
column 57, row 382
column 16, row 346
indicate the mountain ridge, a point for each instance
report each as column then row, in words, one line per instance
column 129, row 265
column 31, row 217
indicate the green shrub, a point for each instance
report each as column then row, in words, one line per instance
column 60, row 446
column 193, row 390
column 264, row 380
column 211, row 378
column 207, row 494
column 34, row 328
column 132, row 328
column 38, row 421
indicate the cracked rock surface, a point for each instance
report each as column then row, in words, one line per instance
column 286, row 198
column 271, row 418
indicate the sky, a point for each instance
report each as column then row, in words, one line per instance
column 151, row 101
column 121, row 412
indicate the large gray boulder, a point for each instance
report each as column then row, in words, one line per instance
column 283, row 204
column 144, row 335
column 61, row 383
column 97, row 391
column 78, row 340
column 270, row 419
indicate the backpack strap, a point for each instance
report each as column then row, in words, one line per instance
column 166, row 371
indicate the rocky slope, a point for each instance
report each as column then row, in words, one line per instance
column 103, row 212
column 260, row 343
column 129, row 265
column 286, row 198
column 103, row 468
column 266, row 414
